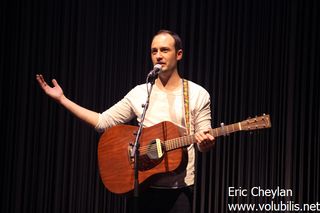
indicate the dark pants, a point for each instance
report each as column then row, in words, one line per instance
column 163, row 201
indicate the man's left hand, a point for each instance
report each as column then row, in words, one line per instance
column 204, row 140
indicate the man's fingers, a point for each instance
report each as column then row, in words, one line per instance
column 41, row 81
column 210, row 137
column 201, row 137
column 38, row 77
column 198, row 138
column 204, row 137
column 54, row 82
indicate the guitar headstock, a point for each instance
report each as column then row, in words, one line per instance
column 260, row 122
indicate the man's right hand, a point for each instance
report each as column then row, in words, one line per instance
column 54, row 92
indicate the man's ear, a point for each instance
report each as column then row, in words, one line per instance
column 179, row 55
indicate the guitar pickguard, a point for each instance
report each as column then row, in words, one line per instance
column 150, row 155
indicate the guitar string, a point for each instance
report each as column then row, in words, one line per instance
column 187, row 138
column 146, row 148
column 182, row 140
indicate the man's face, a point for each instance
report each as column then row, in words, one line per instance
column 163, row 52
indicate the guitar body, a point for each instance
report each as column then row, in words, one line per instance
column 160, row 149
column 117, row 167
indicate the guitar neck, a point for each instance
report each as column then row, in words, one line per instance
column 190, row 139
column 260, row 122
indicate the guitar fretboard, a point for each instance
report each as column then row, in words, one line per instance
column 190, row 139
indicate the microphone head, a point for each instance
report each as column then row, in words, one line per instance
column 153, row 74
column 157, row 67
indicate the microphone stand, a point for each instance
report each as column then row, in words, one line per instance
column 135, row 149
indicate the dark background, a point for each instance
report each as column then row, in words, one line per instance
column 253, row 57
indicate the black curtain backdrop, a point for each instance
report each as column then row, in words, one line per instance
column 253, row 57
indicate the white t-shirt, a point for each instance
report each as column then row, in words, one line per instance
column 164, row 106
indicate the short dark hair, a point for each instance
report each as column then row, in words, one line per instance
column 175, row 36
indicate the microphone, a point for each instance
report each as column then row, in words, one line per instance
column 156, row 70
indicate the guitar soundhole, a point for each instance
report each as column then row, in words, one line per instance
column 150, row 155
column 153, row 152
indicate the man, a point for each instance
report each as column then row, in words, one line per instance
column 171, row 193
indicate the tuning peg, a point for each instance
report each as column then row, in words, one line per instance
column 222, row 129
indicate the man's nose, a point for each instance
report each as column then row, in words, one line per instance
column 159, row 55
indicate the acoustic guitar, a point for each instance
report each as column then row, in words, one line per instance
column 162, row 150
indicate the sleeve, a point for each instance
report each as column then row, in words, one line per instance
column 202, row 118
column 203, row 115
column 121, row 112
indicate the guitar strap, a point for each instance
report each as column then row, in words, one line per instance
column 186, row 105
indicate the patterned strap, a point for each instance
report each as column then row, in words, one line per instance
column 186, row 105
